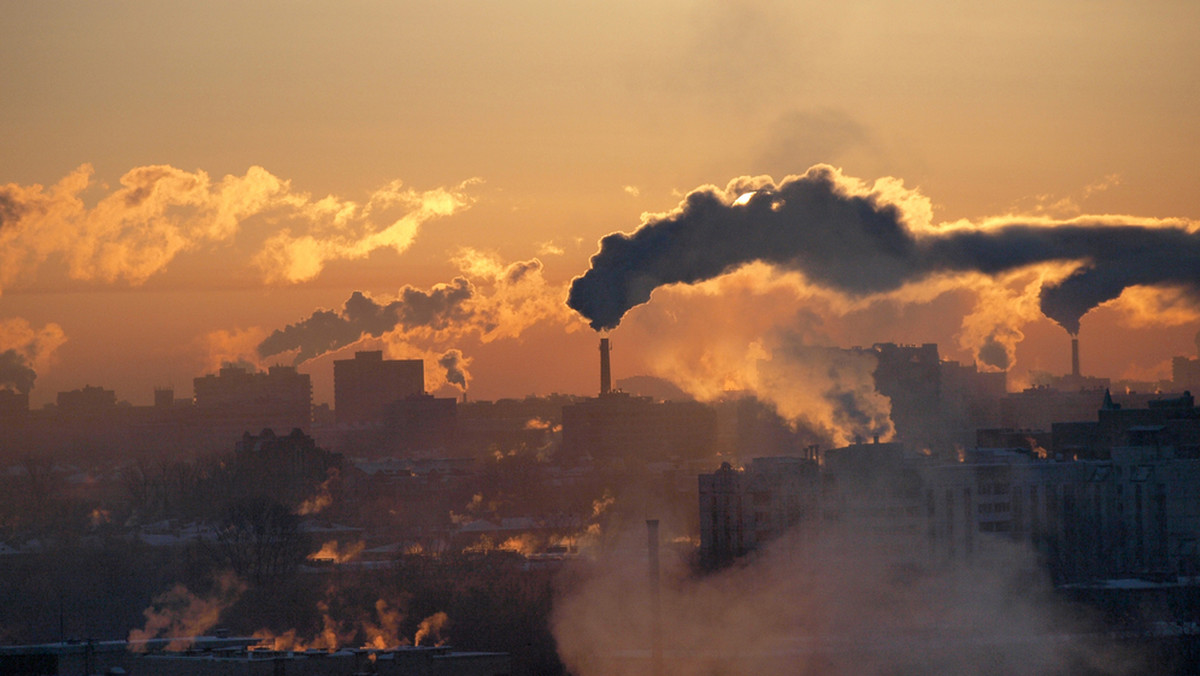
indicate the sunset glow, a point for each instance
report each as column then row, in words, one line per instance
column 384, row 332
column 252, row 180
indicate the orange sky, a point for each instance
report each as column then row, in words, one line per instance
column 277, row 157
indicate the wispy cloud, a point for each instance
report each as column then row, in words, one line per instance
column 159, row 212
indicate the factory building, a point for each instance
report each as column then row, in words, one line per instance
column 617, row 427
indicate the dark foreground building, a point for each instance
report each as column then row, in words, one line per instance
column 211, row 656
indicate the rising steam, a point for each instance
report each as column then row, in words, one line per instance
column 864, row 241
column 159, row 212
column 15, row 372
column 847, row 602
column 490, row 300
column 23, row 350
column 456, row 368
column 328, row 330
column 180, row 615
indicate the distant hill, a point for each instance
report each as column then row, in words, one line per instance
column 655, row 388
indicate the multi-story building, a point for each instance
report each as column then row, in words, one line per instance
column 741, row 510
column 364, row 387
column 235, row 400
column 1133, row 510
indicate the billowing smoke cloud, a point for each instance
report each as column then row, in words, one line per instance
column 491, row 300
column 455, row 365
column 159, row 212
column 843, row 603
column 220, row 347
column 864, row 241
column 774, row 356
column 15, row 372
column 994, row 354
column 180, row 615
column 23, row 350
column 328, row 330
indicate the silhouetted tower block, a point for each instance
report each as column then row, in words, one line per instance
column 605, row 368
column 366, row 386
column 242, row 401
column 13, row 404
column 88, row 401
column 164, row 397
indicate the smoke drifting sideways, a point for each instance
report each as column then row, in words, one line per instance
column 328, row 330
column 489, row 301
column 848, row 602
column 863, row 241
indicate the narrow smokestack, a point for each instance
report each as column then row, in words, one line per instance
column 1074, row 356
column 605, row 371
column 656, row 653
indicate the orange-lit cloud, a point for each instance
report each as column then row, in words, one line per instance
column 341, row 229
column 491, row 300
column 159, row 212
column 234, row 346
column 25, row 350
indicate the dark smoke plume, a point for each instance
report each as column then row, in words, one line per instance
column 861, row 245
column 329, row 330
column 456, row 367
column 994, row 354
column 16, row 372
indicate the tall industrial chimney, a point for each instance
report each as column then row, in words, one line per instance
column 656, row 651
column 1074, row 356
column 605, row 372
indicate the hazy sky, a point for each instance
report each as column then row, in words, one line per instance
column 179, row 180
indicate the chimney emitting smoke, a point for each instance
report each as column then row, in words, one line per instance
column 605, row 371
column 1074, row 356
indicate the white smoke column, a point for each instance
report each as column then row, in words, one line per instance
column 25, row 350
column 991, row 331
column 831, row 389
column 180, row 615
column 847, row 604
column 225, row 346
column 431, row 628
column 744, row 335
column 513, row 297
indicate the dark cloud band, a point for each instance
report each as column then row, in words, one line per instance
column 862, row 245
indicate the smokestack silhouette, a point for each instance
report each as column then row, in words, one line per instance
column 1075, row 356
column 861, row 242
column 656, row 651
column 605, row 369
